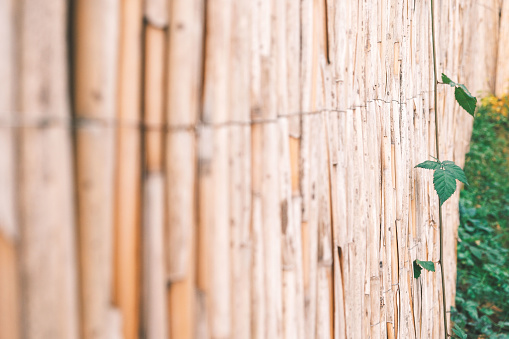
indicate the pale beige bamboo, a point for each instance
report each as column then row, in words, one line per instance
column 154, row 90
column 214, row 194
column 7, row 210
column 240, row 191
column 9, row 291
column 184, row 72
column 184, row 69
column 293, row 49
column 180, row 189
column 480, row 46
column 9, row 235
column 502, row 70
column 310, row 132
column 126, row 290
column 156, row 12
column 45, row 197
column 258, row 320
column 214, row 217
column 271, row 221
column 240, row 169
column 155, row 313
column 289, row 230
column 96, row 36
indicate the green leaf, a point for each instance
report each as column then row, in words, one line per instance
column 447, row 81
column 465, row 99
column 471, row 307
column 477, row 252
column 459, row 332
column 455, row 170
column 445, row 184
column 429, row 265
column 417, row 270
column 462, row 95
column 428, row 164
column 467, row 92
column 419, row 265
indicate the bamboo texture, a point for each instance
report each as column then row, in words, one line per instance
column 231, row 168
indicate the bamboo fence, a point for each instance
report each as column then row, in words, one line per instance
column 231, row 168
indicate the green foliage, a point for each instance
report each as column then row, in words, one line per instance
column 429, row 265
column 459, row 333
column 445, row 184
column 462, row 95
column 482, row 297
column 444, row 177
column 428, row 164
column 419, row 265
column 465, row 99
column 446, row 80
column 417, row 270
column 455, row 171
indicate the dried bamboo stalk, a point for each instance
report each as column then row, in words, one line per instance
column 127, row 213
column 45, row 198
column 157, row 12
column 502, row 70
column 155, row 312
column 9, row 291
column 95, row 76
column 184, row 69
column 7, row 208
column 9, row 234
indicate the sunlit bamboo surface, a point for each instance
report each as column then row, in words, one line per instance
column 231, row 168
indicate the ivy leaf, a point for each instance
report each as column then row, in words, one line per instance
column 465, row 99
column 417, row 270
column 428, row 164
column 459, row 332
column 429, row 265
column 447, row 81
column 445, row 184
column 456, row 170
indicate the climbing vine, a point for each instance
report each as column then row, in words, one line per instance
column 445, row 173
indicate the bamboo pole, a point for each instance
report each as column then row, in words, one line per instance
column 9, row 291
column 240, row 167
column 45, row 197
column 184, row 76
column 155, row 313
column 95, row 77
column 502, row 70
column 157, row 12
column 127, row 213
column 9, row 234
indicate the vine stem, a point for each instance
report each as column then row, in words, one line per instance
column 440, row 224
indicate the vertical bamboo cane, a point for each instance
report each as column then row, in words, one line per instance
column 48, row 273
column 214, row 193
column 240, row 167
column 157, row 12
column 9, row 233
column 95, row 76
column 502, row 70
column 155, row 315
column 184, row 85
column 128, row 160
